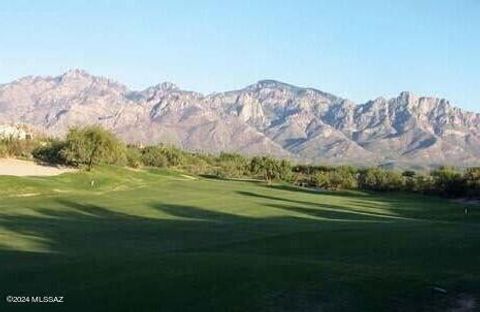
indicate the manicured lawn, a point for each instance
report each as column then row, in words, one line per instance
column 160, row 241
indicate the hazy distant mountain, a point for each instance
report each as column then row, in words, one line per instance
column 266, row 117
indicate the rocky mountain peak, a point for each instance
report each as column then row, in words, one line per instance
column 81, row 76
column 76, row 74
column 268, row 117
column 405, row 96
column 79, row 79
column 269, row 83
column 166, row 86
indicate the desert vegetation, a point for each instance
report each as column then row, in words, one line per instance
column 85, row 147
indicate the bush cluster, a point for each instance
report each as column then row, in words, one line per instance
column 92, row 145
column 444, row 181
column 12, row 147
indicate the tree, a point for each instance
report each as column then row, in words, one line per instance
column 347, row 177
column 326, row 180
column 175, row 157
column 285, row 170
column 424, row 184
column 377, row 179
column 50, row 152
column 232, row 165
column 410, row 178
column 371, row 179
column 153, row 156
column 472, row 180
column 162, row 156
column 336, row 178
column 449, row 182
column 92, row 145
column 133, row 157
column 269, row 168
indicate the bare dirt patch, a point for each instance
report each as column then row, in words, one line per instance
column 21, row 168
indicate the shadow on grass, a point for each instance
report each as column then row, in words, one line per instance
column 394, row 205
column 332, row 212
column 185, row 258
column 297, row 189
column 216, row 177
column 107, row 260
column 325, row 211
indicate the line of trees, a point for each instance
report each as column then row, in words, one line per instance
column 444, row 181
column 88, row 146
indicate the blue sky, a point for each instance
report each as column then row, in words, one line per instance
column 355, row 49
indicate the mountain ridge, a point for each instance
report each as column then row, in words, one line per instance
column 267, row 117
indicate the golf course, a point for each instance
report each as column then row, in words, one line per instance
column 118, row 239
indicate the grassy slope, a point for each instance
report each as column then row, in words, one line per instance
column 160, row 241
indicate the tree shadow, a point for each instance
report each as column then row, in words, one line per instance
column 299, row 189
column 184, row 256
column 81, row 245
column 323, row 209
column 331, row 212
column 394, row 205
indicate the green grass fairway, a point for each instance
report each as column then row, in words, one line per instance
column 160, row 241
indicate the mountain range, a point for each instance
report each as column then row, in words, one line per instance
column 267, row 117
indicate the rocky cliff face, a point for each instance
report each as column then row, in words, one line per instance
column 268, row 117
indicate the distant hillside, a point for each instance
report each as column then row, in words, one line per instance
column 267, row 117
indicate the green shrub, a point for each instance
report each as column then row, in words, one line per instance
column 377, row 179
column 92, row 145
column 133, row 157
column 153, row 156
column 12, row 147
column 449, row 182
column 472, row 181
column 336, row 178
column 3, row 150
column 50, row 152
column 175, row 157
column 232, row 165
column 270, row 168
column 162, row 156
